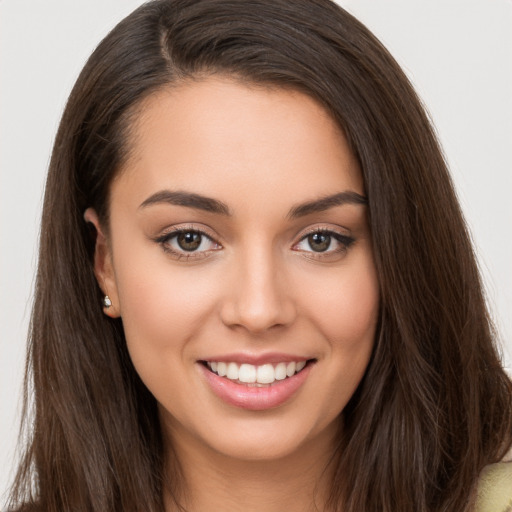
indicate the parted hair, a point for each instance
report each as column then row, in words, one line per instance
column 434, row 406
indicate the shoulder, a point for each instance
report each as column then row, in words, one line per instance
column 495, row 488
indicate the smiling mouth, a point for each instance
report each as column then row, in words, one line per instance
column 256, row 375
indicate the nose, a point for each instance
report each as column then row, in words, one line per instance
column 257, row 297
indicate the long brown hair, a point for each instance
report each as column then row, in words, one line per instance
column 434, row 406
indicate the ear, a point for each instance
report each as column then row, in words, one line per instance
column 103, row 265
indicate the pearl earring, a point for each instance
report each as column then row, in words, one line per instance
column 107, row 302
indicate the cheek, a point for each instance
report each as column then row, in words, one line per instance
column 347, row 308
column 161, row 307
column 350, row 316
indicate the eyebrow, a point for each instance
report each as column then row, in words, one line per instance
column 208, row 204
column 188, row 199
column 325, row 203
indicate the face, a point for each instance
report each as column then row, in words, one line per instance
column 240, row 261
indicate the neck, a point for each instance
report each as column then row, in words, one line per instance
column 298, row 482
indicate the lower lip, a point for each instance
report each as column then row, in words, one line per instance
column 252, row 397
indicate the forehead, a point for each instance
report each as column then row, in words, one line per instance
column 236, row 142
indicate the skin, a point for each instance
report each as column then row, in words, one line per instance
column 255, row 286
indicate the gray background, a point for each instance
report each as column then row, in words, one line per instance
column 458, row 53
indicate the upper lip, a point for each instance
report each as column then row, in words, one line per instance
column 257, row 359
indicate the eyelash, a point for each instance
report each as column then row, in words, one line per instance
column 345, row 242
column 165, row 239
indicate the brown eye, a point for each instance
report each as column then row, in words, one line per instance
column 324, row 245
column 189, row 240
column 188, row 244
column 319, row 242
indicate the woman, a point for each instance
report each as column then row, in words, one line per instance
column 255, row 288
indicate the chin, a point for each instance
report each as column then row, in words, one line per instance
column 258, row 436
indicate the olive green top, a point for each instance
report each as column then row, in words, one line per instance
column 495, row 488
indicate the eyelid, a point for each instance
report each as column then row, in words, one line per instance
column 323, row 228
column 337, row 232
column 345, row 240
column 172, row 231
column 180, row 228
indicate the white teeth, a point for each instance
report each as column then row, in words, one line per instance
column 256, row 375
column 281, row 371
column 247, row 373
column 232, row 372
column 265, row 374
column 222, row 369
column 298, row 366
